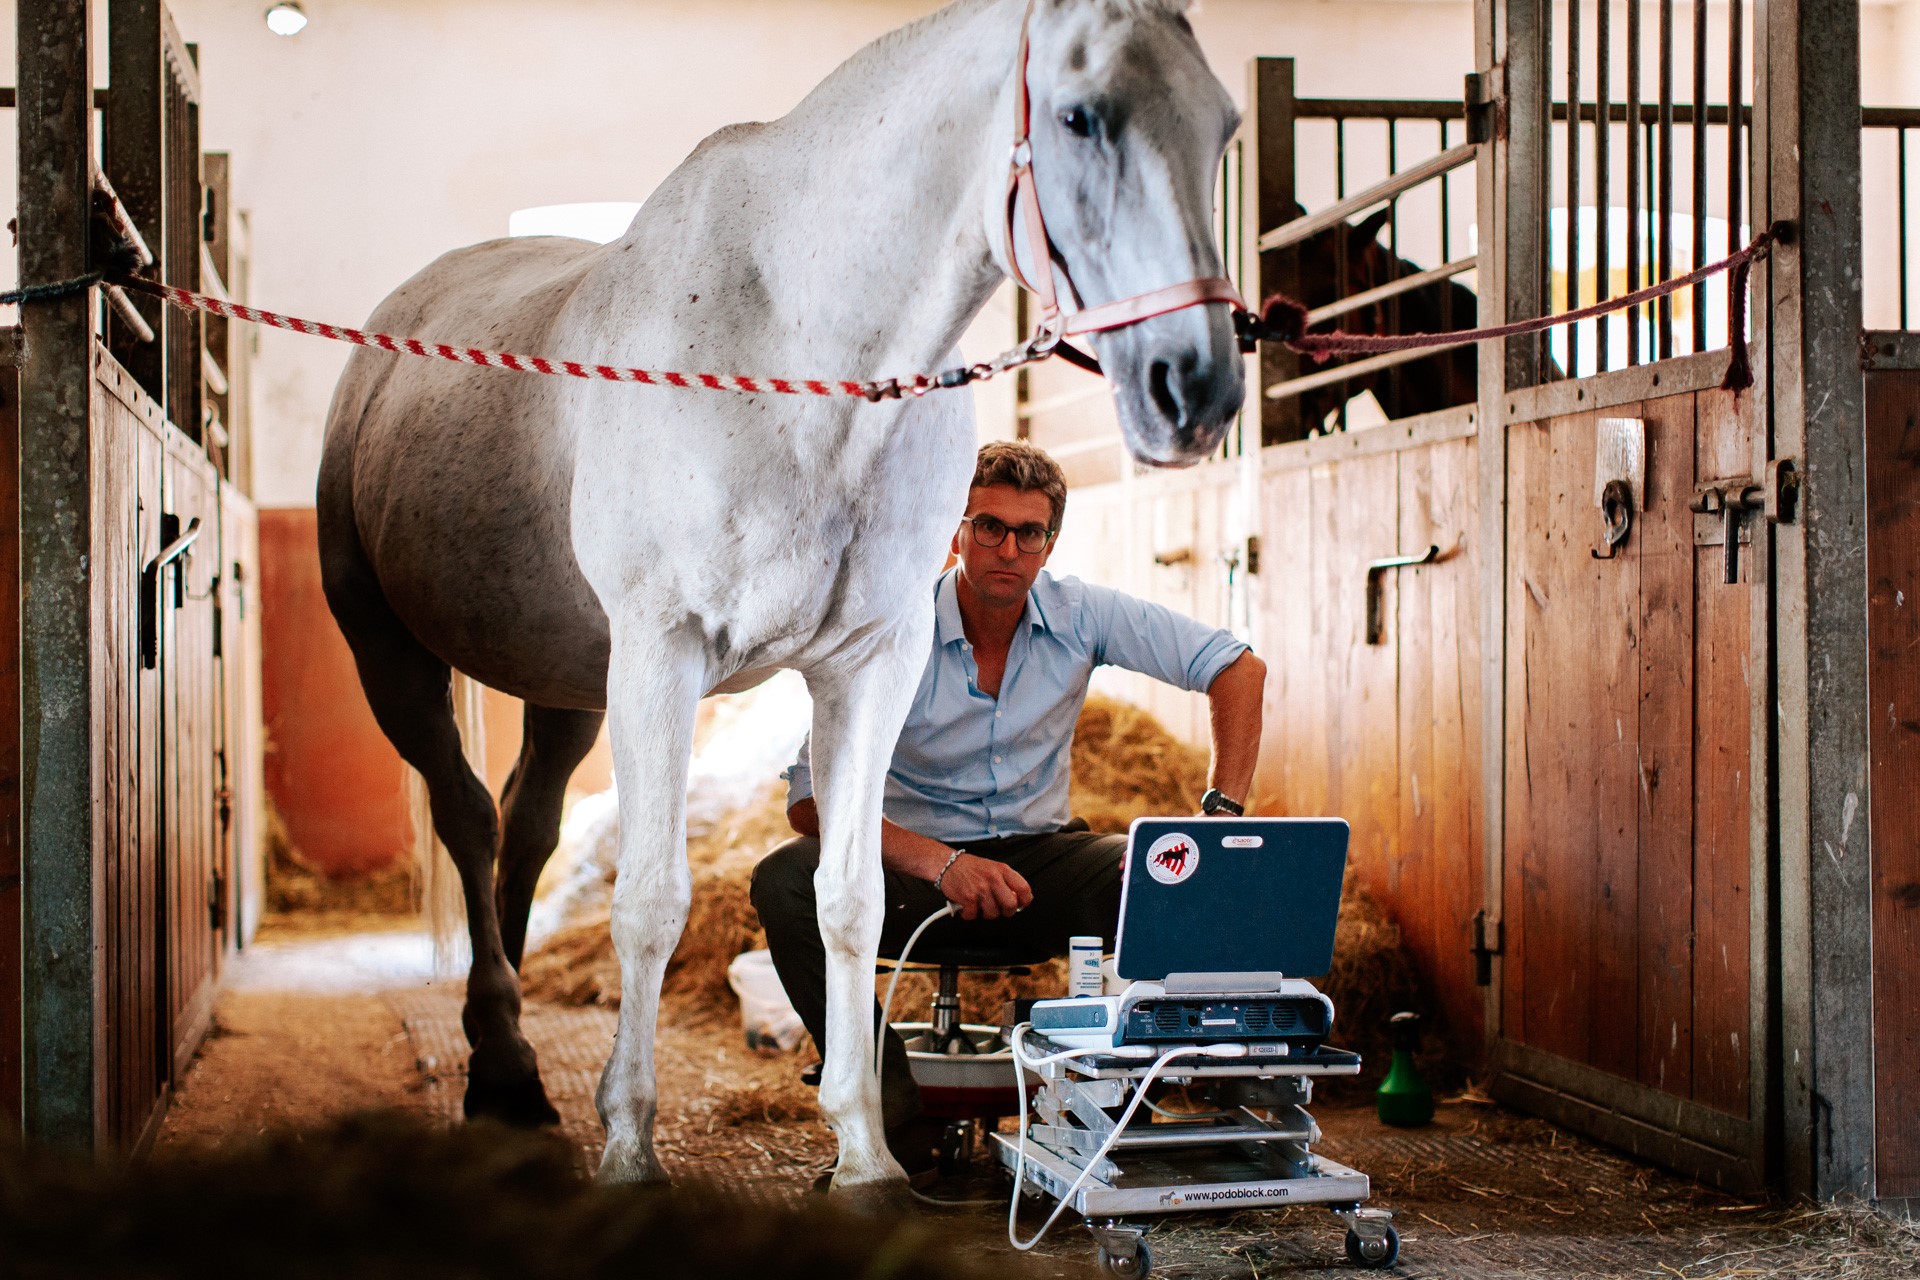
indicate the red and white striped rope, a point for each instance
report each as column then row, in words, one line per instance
column 190, row 301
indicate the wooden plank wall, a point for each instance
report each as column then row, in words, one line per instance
column 1628, row 787
column 242, row 741
column 10, row 1042
column 1118, row 534
column 1388, row 735
column 1893, row 677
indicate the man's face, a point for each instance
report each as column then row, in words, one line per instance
column 1001, row 576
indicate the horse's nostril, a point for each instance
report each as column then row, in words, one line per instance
column 1160, row 386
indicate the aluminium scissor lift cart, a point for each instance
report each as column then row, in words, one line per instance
column 1251, row 1149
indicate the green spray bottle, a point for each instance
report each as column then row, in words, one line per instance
column 1404, row 1099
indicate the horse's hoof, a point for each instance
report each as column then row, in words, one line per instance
column 513, row 1098
column 624, row 1165
column 882, row 1197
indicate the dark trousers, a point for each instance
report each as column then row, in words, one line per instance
column 1075, row 877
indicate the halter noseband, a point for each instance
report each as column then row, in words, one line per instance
column 1061, row 317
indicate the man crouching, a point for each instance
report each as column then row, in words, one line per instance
column 976, row 807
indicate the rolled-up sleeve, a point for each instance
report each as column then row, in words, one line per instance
column 1155, row 641
column 799, row 775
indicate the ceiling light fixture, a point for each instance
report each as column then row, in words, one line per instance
column 287, row 18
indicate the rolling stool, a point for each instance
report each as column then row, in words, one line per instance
column 964, row 1070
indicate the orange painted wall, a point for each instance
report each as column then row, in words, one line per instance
column 337, row 781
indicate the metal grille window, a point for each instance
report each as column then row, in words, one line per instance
column 1647, row 173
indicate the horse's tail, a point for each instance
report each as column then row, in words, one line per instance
column 442, row 904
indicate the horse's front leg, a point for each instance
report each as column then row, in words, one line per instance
column 654, row 684
column 859, row 706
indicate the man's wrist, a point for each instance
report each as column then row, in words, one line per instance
column 942, row 875
column 1217, row 802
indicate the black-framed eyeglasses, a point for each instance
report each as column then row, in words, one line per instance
column 989, row 532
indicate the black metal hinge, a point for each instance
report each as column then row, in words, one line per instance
column 1483, row 950
column 217, row 902
column 1483, row 94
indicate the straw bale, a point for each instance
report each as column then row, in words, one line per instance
column 1125, row 765
column 295, row 884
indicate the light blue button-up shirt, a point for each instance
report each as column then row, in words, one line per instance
column 971, row 767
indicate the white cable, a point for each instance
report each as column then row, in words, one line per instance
column 886, row 1005
column 1020, row 1060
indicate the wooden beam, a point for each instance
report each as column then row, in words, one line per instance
column 60, row 970
column 1809, row 138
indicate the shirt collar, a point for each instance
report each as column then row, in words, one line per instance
column 947, row 625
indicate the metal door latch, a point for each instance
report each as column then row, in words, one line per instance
column 1731, row 500
column 1374, row 570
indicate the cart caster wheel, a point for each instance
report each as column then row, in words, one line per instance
column 1373, row 1252
column 954, row 1149
column 1134, row 1268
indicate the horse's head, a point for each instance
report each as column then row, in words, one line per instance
column 1127, row 128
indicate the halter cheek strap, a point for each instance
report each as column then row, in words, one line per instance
column 1063, row 316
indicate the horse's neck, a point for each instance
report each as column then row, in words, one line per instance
column 887, row 253
column 924, row 120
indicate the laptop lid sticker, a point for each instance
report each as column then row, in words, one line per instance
column 1173, row 858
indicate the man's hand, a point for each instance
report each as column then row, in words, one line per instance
column 984, row 889
column 981, row 888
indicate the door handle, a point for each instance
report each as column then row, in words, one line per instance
column 150, row 592
column 1374, row 571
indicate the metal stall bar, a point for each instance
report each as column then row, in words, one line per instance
column 1699, row 202
column 1306, row 228
column 1736, row 116
column 1633, row 177
column 59, row 852
column 1900, row 213
column 1663, row 199
column 1603, row 175
column 1573, row 182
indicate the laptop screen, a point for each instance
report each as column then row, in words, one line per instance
column 1230, row 895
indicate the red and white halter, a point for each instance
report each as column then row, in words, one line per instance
column 1064, row 316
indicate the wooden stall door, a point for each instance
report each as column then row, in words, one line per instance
column 1893, row 677
column 1627, row 1003
column 128, row 461
column 189, row 787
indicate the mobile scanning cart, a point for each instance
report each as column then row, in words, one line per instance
column 1251, row 1149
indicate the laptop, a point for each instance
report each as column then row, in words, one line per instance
column 1221, row 922
column 1219, row 896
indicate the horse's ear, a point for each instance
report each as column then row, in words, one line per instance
column 1367, row 230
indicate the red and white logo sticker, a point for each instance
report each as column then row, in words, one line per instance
column 1173, row 858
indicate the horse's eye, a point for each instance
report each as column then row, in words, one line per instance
column 1077, row 121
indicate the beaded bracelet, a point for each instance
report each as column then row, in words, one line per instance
column 943, row 871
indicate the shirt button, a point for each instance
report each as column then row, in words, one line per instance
column 996, row 759
column 996, row 715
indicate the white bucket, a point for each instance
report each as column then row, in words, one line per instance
column 765, row 1012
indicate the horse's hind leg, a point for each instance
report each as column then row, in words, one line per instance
column 552, row 744
column 410, row 691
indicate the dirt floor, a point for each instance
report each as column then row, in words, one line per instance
column 326, row 1017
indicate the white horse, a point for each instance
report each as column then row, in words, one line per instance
column 588, row 546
